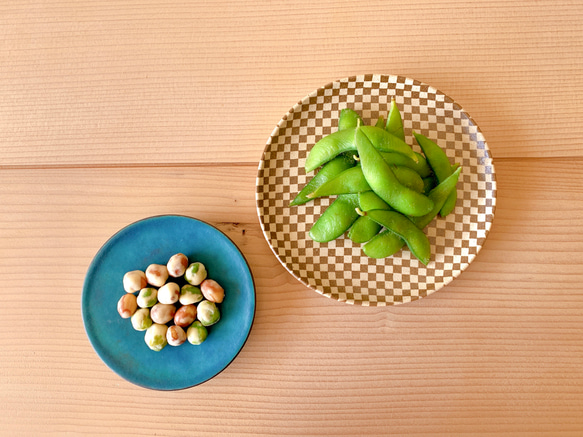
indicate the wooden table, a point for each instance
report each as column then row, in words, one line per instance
column 114, row 111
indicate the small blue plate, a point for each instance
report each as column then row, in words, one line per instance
column 155, row 240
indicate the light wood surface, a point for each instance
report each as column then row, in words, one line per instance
column 113, row 111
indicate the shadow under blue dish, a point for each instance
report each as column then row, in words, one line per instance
column 153, row 241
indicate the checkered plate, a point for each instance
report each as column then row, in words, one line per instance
column 339, row 269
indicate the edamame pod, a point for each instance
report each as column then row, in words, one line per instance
column 368, row 200
column 394, row 122
column 348, row 118
column 328, row 171
column 429, row 183
column 380, row 122
column 385, row 184
column 363, row 229
column 342, row 141
column 439, row 195
column 350, row 181
column 386, row 243
column 421, row 166
column 336, row 219
column 386, row 142
column 383, row 245
column 439, row 162
column 409, row 178
column 414, row 237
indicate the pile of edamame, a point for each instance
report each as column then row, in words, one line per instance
column 171, row 311
column 385, row 192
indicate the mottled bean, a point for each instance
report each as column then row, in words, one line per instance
column 141, row 319
column 156, row 274
column 127, row 305
column 155, row 337
column 195, row 273
column 212, row 290
column 134, row 281
column 162, row 313
column 175, row 335
column 148, row 297
column 207, row 313
column 190, row 294
column 185, row 315
column 177, row 265
column 196, row 333
column 169, row 293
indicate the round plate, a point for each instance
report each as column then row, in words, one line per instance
column 339, row 269
column 155, row 240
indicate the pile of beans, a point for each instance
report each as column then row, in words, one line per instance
column 173, row 303
column 385, row 193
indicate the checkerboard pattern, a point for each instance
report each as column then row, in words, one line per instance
column 339, row 269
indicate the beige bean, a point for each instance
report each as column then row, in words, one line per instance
column 190, row 294
column 208, row 313
column 162, row 313
column 212, row 291
column 156, row 274
column 185, row 315
column 134, row 281
column 155, row 337
column 175, row 335
column 177, row 265
column 195, row 273
column 148, row 297
column 127, row 305
column 141, row 319
column 169, row 293
column 196, row 333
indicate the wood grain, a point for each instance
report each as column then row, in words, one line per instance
column 113, row 111
column 497, row 351
column 126, row 82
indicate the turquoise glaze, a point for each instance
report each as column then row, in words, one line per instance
column 155, row 240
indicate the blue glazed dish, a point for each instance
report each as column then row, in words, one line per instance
column 153, row 241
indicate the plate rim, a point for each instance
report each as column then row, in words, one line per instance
column 85, row 313
column 372, row 77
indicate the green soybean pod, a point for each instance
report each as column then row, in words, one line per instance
column 363, row 229
column 429, row 183
column 342, row 141
column 368, row 200
column 348, row 118
column 385, row 184
column 327, row 172
column 421, row 166
column 328, row 147
column 440, row 194
column 409, row 178
column 336, row 219
column 386, row 243
column 386, row 142
column 350, row 181
column 394, row 123
column 382, row 245
column 380, row 122
column 414, row 237
column 439, row 162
